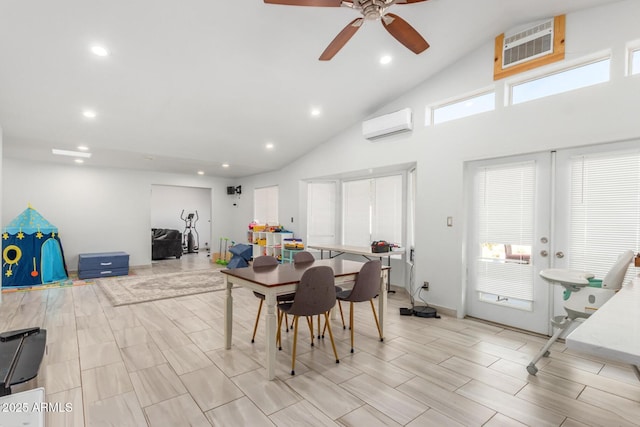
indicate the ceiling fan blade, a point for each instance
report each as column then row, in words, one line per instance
column 404, row 33
column 341, row 39
column 408, row 1
column 317, row 3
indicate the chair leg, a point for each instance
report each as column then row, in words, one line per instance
column 286, row 322
column 255, row 328
column 544, row 352
column 310, row 323
column 351, row 322
column 341, row 315
column 319, row 335
column 295, row 343
column 279, row 333
column 333, row 344
column 375, row 316
column 324, row 329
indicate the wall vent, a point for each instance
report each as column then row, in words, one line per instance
column 389, row 124
column 523, row 45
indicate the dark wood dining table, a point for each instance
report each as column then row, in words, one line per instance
column 282, row 279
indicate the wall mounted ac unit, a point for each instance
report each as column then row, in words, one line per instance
column 389, row 124
column 522, row 45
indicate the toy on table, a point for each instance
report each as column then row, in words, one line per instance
column 294, row 244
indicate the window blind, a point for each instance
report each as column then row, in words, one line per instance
column 356, row 212
column 411, row 208
column 372, row 210
column 505, row 197
column 321, row 213
column 605, row 210
column 265, row 205
column 386, row 221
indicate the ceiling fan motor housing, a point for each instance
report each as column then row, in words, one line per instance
column 372, row 9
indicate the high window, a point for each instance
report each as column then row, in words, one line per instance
column 564, row 81
column 464, row 108
column 634, row 62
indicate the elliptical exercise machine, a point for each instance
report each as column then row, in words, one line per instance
column 190, row 238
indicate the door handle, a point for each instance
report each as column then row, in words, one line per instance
column 559, row 254
column 544, row 253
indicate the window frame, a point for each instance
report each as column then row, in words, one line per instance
column 633, row 55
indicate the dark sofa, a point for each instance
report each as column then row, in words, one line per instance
column 165, row 243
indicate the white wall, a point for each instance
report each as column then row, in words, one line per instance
column 105, row 210
column 599, row 114
column 98, row 209
column 1, row 197
column 168, row 203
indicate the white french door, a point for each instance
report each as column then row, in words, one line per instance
column 575, row 208
column 509, row 241
column 597, row 213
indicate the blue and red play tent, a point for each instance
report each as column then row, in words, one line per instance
column 31, row 251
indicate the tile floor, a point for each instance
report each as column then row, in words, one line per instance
column 163, row 363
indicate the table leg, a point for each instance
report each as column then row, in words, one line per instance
column 228, row 314
column 270, row 338
column 389, row 277
column 382, row 300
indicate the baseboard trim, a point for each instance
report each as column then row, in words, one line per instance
column 450, row 312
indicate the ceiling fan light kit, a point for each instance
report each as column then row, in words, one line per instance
column 371, row 10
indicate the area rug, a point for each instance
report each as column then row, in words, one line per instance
column 124, row 290
column 61, row 284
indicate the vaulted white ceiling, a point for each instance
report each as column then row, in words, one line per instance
column 191, row 85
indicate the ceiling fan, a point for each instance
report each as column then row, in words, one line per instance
column 370, row 10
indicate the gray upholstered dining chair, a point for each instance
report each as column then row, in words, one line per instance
column 366, row 287
column 315, row 295
column 266, row 261
column 304, row 257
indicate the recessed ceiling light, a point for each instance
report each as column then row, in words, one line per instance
column 225, row 165
column 269, row 146
column 385, row 59
column 315, row 112
column 89, row 114
column 99, row 51
column 200, row 172
column 82, row 148
column 79, row 161
column 70, row 153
